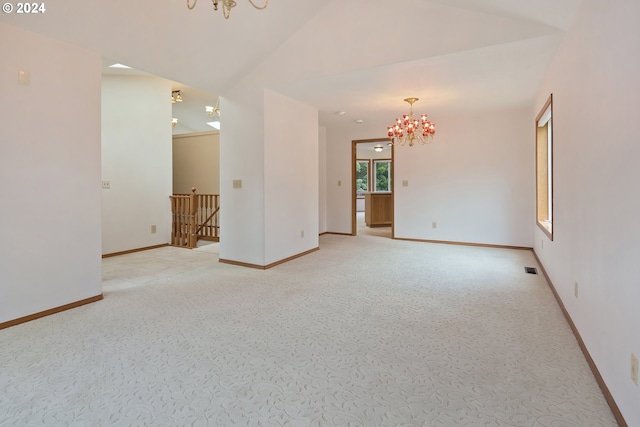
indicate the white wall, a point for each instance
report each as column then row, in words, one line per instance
column 596, row 98
column 136, row 159
column 291, row 177
column 261, row 222
column 242, row 158
column 50, row 170
column 368, row 153
column 196, row 163
column 338, row 176
column 475, row 180
column 322, row 179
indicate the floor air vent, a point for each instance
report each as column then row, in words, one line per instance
column 530, row 270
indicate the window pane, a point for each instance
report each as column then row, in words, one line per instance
column 544, row 169
column 383, row 175
column 362, row 177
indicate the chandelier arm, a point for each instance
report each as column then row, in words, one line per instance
column 189, row 4
column 266, row 3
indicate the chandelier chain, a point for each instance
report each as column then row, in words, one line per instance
column 227, row 5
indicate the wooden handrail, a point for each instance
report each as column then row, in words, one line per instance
column 207, row 220
column 195, row 216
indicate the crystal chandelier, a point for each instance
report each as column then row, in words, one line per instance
column 408, row 130
column 226, row 5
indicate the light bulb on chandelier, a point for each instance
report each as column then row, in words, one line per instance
column 408, row 130
column 213, row 111
column 227, row 5
column 176, row 96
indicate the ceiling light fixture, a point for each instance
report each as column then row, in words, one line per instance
column 227, row 5
column 407, row 129
column 377, row 148
column 213, row 111
column 175, row 96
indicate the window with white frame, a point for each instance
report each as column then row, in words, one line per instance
column 382, row 175
column 544, row 168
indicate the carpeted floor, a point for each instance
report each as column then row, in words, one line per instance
column 368, row 331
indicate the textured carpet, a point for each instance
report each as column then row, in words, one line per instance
column 368, row 331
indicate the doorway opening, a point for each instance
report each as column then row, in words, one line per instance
column 372, row 187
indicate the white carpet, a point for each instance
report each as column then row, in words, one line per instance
column 368, row 331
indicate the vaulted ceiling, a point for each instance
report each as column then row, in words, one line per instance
column 358, row 56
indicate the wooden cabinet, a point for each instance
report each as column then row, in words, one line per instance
column 378, row 209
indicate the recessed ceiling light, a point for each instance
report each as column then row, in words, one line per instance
column 118, row 66
column 215, row 125
column 340, row 113
column 359, row 121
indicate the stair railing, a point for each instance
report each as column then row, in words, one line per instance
column 183, row 220
column 195, row 217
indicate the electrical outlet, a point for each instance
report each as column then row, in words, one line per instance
column 575, row 289
column 339, row 183
column 634, row 369
column 434, row 224
column 153, row 229
column 106, row 184
column 301, row 233
column 541, row 244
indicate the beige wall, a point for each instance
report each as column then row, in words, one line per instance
column 196, row 163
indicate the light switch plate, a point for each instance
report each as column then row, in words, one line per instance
column 237, row 183
column 23, row 78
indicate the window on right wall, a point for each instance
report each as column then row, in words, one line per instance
column 544, row 168
column 382, row 175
